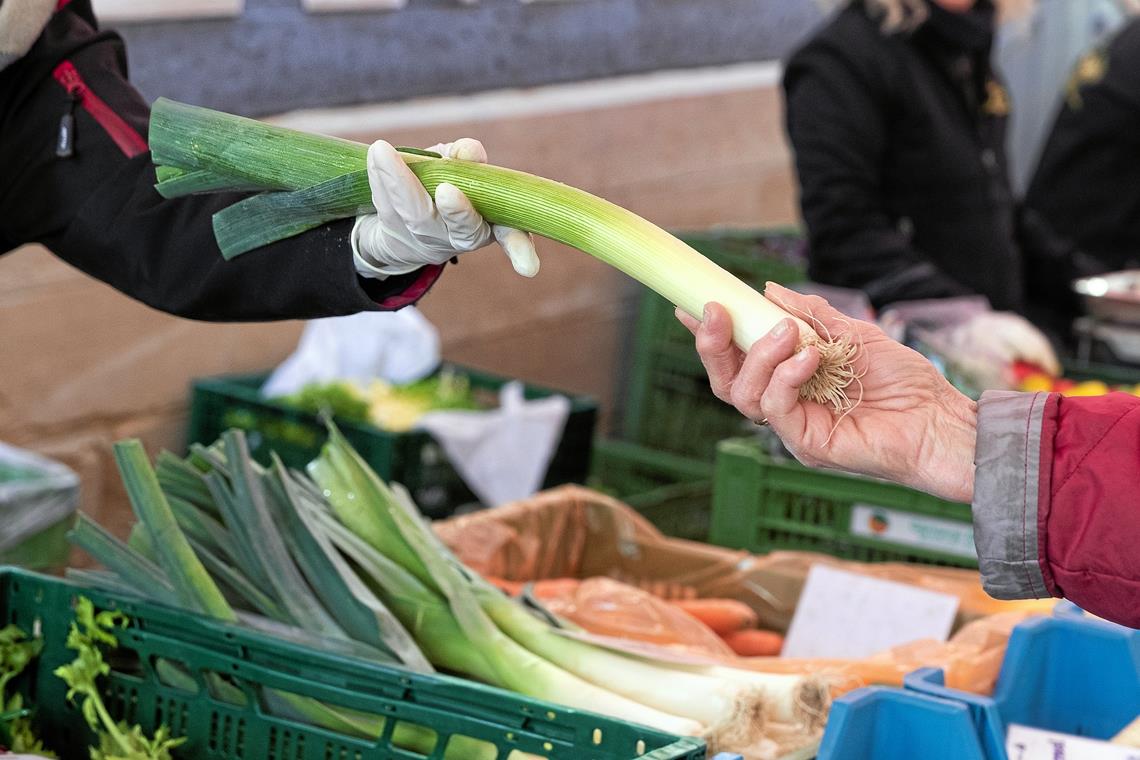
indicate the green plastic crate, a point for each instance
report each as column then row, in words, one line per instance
column 669, row 405
column 413, row 458
column 220, row 729
column 672, row 492
column 763, row 504
column 1111, row 374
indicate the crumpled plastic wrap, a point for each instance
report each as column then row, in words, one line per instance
column 607, row 607
column 977, row 346
column 971, row 659
column 576, row 532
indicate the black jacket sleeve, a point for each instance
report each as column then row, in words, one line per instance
column 838, row 124
column 97, row 208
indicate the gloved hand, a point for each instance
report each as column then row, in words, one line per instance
column 409, row 230
column 985, row 348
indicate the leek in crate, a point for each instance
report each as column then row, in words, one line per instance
column 347, row 559
column 307, row 180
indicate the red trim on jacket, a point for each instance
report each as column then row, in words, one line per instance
column 427, row 277
column 59, row 6
column 130, row 142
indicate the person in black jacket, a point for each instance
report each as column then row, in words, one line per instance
column 897, row 121
column 1087, row 182
column 75, row 176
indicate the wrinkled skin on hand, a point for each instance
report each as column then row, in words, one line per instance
column 908, row 425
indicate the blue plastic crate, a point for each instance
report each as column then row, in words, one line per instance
column 1064, row 673
column 893, row 724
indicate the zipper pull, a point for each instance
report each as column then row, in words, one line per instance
column 65, row 139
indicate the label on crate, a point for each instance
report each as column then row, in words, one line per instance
column 1024, row 743
column 908, row 529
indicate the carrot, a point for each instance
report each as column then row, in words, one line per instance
column 553, row 588
column 722, row 615
column 755, row 643
column 546, row 588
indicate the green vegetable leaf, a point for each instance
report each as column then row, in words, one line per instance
column 138, row 746
column 338, row 399
column 16, row 729
column 16, row 651
column 117, row 740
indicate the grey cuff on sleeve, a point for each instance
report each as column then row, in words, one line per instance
column 1005, row 494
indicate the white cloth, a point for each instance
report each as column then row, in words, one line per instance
column 396, row 346
column 502, row 454
column 979, row 344
column 410, row 230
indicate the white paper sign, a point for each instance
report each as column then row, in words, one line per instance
column 906, row 529
column 1023, row 743
column 842, row 614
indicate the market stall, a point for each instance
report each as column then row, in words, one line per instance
column 736, row 482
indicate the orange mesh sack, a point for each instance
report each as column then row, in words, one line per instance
column 610, row 608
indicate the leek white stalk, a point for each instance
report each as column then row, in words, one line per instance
column 793, row 698
column 463, row 640
column 309, row 180
column 722, row 698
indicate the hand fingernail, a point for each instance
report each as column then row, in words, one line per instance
column 779, row 330
column 706, row 313
column 803, row 355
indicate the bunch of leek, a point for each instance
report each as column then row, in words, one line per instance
column 345, row 556
column 304, row 180
column 213, row 537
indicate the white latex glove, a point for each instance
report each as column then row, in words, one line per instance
column 410, row 230
column 987, row 345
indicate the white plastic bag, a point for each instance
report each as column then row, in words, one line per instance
column 978, row 344
column 396, row 346
column 502, row 454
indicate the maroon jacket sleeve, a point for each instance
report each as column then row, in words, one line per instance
column 1057, row 500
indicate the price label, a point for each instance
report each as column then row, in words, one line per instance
column 1024, row 743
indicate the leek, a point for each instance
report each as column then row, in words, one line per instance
column 361, row 558
column 526, row 654
column 136, row 571
column 310, row 180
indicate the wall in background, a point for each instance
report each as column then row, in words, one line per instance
column 277, row 56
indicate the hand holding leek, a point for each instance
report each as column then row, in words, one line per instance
column 307, row 180
column 409, row 230
column 911, row 426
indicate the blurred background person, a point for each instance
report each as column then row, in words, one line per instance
column 1088, row 180
column 897, row 120
column 1038, row 42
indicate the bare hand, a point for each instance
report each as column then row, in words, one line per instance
column 909, row 424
